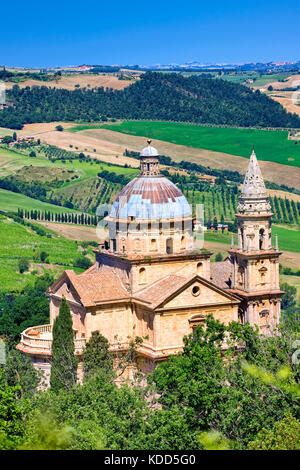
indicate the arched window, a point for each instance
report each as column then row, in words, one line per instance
column 153, row 244
column 261, row 239
column 200, row 269
column 142, row 276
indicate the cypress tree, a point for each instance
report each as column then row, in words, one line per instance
column 64, row 362
column 96, row 356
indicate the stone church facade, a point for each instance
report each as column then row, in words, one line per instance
column 152, row 283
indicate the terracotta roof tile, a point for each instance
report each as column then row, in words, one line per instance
column 160, row 290
column 220, row 274
column 94, row 287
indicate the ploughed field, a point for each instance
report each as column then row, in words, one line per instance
column 271, row 146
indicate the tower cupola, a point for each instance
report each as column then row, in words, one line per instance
column 253, row 198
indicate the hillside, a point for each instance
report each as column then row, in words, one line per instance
column 73, row 81
column 19, row 242
column 53, row 179
column 155, row 96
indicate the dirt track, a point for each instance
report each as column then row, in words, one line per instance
column 73, row 232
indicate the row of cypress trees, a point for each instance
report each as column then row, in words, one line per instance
column 68, row 218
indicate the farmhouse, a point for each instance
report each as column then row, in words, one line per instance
column 207, row 178
column 154, row 283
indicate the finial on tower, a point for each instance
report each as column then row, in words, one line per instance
column 254, row 197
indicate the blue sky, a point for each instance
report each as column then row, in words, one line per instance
column 50, row 33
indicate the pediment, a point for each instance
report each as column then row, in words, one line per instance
column 198, row 291
column 63, row 287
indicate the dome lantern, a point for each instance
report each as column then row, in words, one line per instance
column 149, row 161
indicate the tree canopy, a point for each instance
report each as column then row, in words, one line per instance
column 161, row 96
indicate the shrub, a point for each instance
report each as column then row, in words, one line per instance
column 83, row 262
column 23, row 265
column 43, row 256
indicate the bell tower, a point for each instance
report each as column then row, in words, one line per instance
column 255, row 263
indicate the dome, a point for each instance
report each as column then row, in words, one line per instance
column 150, row 198
column 149, row 151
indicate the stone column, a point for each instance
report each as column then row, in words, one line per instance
column 247, row 277
column 276, row 264
column 272, row 315
column 255, row 315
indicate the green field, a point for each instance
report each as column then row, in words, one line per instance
column 269, row 145
column 11, row 202
column 288, row 240
column 18, row 241
column 260, row 80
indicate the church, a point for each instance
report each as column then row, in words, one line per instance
column 150, row 281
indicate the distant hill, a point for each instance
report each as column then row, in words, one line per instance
column 156, row 96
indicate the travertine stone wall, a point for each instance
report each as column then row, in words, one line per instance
column 76, row 308
column 155, row 271
column 152, row 238
column 112, row 321
column 256, row 274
